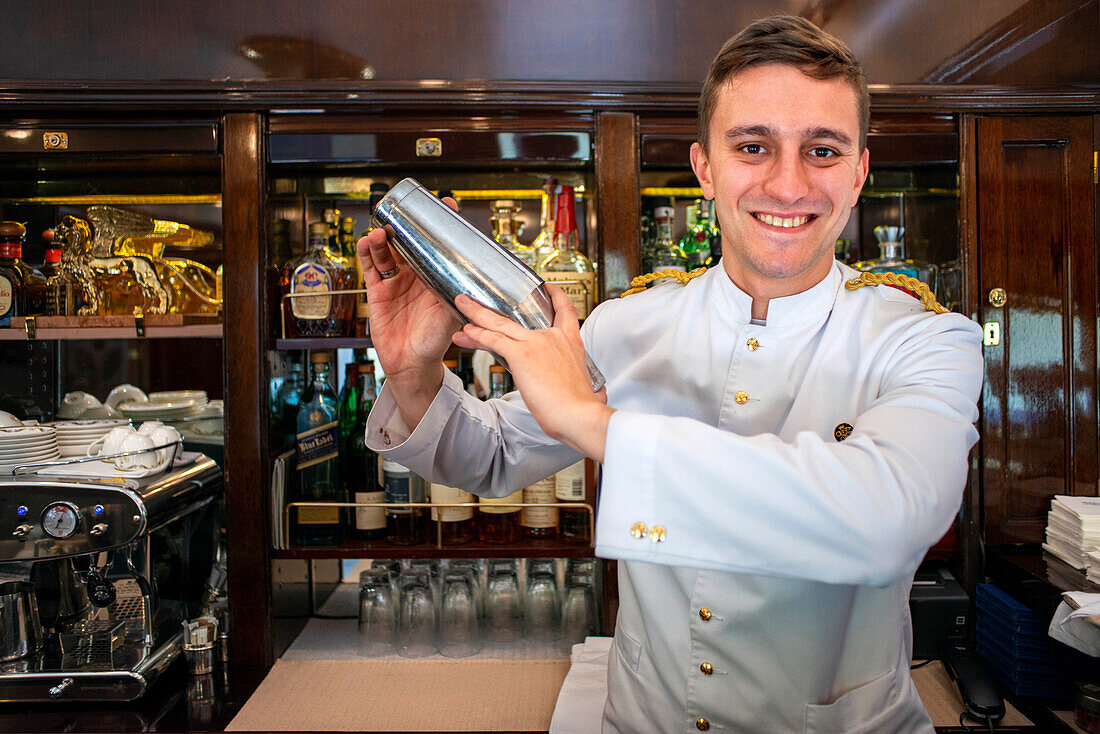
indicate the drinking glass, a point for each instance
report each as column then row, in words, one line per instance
column 503, row 604
column 458, row 629
column 377, row 613
column 578, row 613
column 416, row 624
column 542, row 605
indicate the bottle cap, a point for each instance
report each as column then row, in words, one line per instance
column 450, row 363
column 366, row 367
column 496, row 368
column 12, row 229
column 319, row 357
column 53, row 255
column 318, row 228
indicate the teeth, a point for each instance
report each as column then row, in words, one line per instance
column 783, row 221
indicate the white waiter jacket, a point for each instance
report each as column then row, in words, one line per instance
column 766, row 563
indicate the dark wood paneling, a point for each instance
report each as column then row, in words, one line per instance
column 618, row 208
column 970, row 555
column 1020, row 41
column 246, row 475
column 1037, row 242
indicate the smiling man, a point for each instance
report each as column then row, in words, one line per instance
column 780, row 446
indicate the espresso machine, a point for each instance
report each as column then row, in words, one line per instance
column 98, row 575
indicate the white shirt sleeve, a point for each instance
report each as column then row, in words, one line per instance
column 861, row 511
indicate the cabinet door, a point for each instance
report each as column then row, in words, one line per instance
column 1036, row 232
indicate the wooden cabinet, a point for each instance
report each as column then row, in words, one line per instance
column 1037, row 300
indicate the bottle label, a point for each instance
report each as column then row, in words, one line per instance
column 569, row 483
column 318, row 515
column 370, row 518
column 7, row 298
column 311, row 278
column 401, row 486
column 540, row 517
column 441, row 493
column 581, row 289
column 496, row 505
column 317, row 445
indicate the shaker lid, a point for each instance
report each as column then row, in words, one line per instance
column 12, row 229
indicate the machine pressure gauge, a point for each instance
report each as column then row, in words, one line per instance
column 60, row 519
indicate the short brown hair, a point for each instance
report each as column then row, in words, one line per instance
column 784, row 39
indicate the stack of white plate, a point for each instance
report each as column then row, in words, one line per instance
column 73, row 437
column 27, row 445
column 165, row 406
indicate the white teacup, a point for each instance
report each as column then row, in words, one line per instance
column 125, row 393
column 7, row 420
column 149, row 427
column 163, row 436
column 136, row 442
column 110, row 442
column 77, row 404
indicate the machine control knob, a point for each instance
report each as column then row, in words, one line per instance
column 98, row 529
column 22, row 531
column 101, row 591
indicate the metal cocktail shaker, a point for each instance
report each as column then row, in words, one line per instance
column 453, row 257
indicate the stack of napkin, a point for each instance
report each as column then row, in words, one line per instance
column 1073, row 532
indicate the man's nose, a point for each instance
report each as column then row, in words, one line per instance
column 787, row 181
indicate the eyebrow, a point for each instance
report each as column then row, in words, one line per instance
column 763, row 131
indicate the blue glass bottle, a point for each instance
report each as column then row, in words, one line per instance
column 318, row 457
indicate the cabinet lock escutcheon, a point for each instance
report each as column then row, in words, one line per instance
column 429, row 147
column 998, row 297
column 992, row 336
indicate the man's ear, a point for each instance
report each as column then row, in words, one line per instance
column 861, row 176
column 701, row 165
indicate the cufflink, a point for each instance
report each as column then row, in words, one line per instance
column 657, row 533
column 638, row 530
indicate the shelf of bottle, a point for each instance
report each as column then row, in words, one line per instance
column 151, row 326
column 323, row 342
column 525, row 548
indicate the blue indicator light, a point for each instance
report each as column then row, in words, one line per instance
column 22, row 511
column 98, row 509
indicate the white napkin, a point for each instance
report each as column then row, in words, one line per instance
column 579, row 709
column 1076, row 623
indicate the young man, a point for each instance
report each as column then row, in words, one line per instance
column 779, row 450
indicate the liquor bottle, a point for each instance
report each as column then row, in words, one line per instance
column 44, row 288
column 892, row 258
column 695, row 243
column 318, row 458
column 318, row 272
column 569, row 487
column 503, row 221
column 649, row 240
column 456, row 524
column 12, row 301
column 404, row 525
column 287, row 399
column 567, row 267
column 542, row 247
column 540, row 522
column 331, row 218
column 667, row 254
column 280, row 242
column 496, row 522
column 348, row 402
column 346, row 235
column 364, row 484
column 715, row 234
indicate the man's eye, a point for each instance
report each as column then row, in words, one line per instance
column 822, row 152
column 752, row 148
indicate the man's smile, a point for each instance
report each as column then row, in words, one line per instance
column 784, row 222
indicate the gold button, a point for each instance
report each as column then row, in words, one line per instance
column 707, row 668
column 704, row 614
column 702, row 724
column 638, row 530
column 657, row 533
column 752, row 344
column 741, row 397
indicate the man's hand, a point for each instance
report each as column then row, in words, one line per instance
column 548, row 368
column 410, row 327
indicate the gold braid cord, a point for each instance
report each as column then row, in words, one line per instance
column 918, row 289
column 641, row 282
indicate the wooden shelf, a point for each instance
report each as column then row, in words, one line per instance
column 156, row 326
column 527, row 548
column 324, row 342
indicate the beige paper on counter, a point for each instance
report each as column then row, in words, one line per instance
column 404, row 695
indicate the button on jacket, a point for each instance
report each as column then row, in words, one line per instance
column 767, row 555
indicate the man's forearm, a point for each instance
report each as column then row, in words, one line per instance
column 414, row 393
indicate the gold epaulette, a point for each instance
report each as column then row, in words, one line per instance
column 912, row 286
column 642, row 281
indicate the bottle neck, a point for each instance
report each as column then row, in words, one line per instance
column 891, row 250
column 319, row 375
column 11, row 250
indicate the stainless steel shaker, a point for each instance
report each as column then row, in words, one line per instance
column 20, row 631
column 453, row 257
